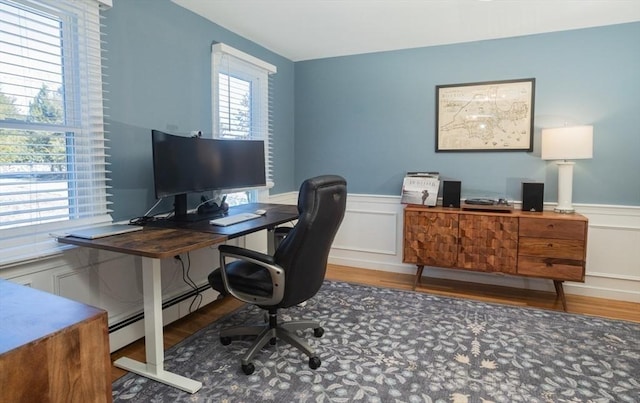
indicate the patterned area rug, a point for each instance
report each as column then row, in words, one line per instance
column 384, row 345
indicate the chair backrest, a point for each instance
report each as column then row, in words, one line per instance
column 304, row 252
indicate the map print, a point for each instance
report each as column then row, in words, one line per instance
column 493, row 116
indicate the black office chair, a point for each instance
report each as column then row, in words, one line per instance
column 292, row 275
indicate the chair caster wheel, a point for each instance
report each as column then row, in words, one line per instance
column 248, row 369
column 225, row 341
column 318, row 332
column 314, row 362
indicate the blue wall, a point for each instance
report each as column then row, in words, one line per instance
column 371, row 117
column 158, row 74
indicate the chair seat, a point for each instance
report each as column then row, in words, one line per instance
column 245, row 277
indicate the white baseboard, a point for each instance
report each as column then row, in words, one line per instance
column 134, row 331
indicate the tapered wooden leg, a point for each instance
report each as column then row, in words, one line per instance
column 418, row 276
column 560, row 292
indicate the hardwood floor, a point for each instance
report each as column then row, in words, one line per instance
column 177, row 331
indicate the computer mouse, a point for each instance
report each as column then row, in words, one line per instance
column 261, row 212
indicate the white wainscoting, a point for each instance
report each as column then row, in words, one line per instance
column 370, row 237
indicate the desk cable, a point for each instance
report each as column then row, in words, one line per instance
column 186, row 277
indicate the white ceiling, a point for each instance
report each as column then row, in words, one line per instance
column 313, row 29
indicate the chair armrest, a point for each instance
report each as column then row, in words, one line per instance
column 241, row 253
column 276, row 273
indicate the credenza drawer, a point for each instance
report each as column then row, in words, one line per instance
column 555, row 248
column 549, row 228
column 552, row 268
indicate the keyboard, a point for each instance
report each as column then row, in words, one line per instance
column 234, row 219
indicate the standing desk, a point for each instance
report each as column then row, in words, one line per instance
column 166, row 239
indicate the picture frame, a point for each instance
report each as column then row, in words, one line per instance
column 485, row 116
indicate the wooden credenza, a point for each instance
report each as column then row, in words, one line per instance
column 546, row 245
column 51, row 349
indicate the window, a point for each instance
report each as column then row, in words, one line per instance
column 52, row 147
column 241, row 107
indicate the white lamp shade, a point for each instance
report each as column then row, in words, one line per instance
column 567, row 143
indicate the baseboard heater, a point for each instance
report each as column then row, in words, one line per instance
column 175, row 300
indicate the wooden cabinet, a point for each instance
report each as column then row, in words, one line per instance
column 51, row 349
column 482, row 242
column 546, row 245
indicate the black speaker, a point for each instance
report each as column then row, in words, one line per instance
column 532, row 196
column 451, row 194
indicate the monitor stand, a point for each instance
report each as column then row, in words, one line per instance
column 208, row 213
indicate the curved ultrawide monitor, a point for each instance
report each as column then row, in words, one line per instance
column 184, row 165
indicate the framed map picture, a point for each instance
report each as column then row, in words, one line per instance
column 486, row 116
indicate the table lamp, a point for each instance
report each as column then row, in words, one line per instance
column 563, row 144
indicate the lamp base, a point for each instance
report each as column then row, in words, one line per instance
column 565, row 185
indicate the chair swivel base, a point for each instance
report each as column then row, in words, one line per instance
column 269, row 333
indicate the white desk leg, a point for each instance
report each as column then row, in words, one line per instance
column 154, row 368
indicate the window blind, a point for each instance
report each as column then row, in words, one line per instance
column 242, row 98
column 53, row 148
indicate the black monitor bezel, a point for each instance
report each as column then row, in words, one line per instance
column 198, row 175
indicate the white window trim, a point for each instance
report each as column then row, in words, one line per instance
column 30, row 243
column 218, row 50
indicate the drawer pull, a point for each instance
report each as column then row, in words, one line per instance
column 549, row 245
column 550, row 226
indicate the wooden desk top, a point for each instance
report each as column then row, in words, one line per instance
column 165, row 239
column 151, row 242
column 277, row 214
